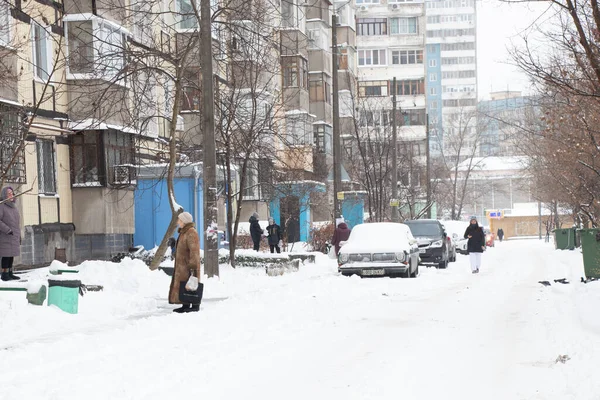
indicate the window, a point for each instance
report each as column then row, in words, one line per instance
column 433, row 105
column 142, row 22
column 458, row 60
column 191, row 91
column 409, row 87
column 81, row 50
column 403, row 26
column 84, row 153
column 405, row 57
column 450, row 32
column 432, row 91
column 372, row 88
column 458, row 74
column 298, row 131
column 295, row 71
column 433, row 77
column 186, row 17
column 433, row 63
column 371, row 57
column 371, row 26
column 458, row 46
column 323, row 138
column 5, row 24
column 42, row 52
column 46, row 169
column 10, row 138
column 320, row 88
column 118, row 152
column 251, row 185
column 415, row 117
column 95, row 47
column 101, row 158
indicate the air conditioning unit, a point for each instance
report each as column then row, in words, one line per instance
column 394, row 7
column 363, row 8
column 123, row 175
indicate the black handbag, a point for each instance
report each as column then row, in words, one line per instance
column 190, row 297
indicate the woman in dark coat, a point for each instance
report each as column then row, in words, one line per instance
column 10, row 233
column 187, row 261
column 341, row 234
column 255, row 231
column 274, row 236
column 475, row 245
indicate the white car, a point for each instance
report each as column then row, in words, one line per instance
column 378, row 249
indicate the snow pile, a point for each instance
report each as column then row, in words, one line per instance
column 495, row 335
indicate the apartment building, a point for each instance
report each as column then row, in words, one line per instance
column 391, row 44
column 451, row 72
column 89, row 111
column 503, row 117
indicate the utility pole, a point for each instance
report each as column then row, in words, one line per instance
column 395, row 201
column 428, row 167
column 209, row 176
column 337, row 156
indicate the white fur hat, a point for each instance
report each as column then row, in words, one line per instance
column 186, row 217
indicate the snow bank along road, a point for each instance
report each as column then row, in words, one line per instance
column 316, row 335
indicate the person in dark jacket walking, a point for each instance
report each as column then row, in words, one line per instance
column 500, row 234
column 10, row 233
column 274, row 236
column 341, row 234
column 475, row 245
column 256, row 231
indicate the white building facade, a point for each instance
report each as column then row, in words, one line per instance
column 451, row 71
column 391, row 44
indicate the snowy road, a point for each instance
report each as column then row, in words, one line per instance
column 314, row 334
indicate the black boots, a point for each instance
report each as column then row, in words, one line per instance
column 182, row 309
column 185, row 308
column 9, row 276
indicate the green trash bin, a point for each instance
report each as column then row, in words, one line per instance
column 590, row 244
column 564, row 239
column 64, row 294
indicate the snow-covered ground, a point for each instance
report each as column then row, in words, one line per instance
column 314, row 334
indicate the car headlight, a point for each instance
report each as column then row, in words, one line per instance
column 343, row 258
column 437, row 243
column 400, row 257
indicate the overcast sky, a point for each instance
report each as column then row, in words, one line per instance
column 499, row 24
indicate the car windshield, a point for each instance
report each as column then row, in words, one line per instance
column 420, row 229
column 378, row 234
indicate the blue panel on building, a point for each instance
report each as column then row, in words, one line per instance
column 153, row 211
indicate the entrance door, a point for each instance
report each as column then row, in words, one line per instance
column 290, row 218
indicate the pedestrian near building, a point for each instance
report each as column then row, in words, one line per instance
column 256, row 232
column 10, row 233
column 475, row 245
column 274, row 236
column 501, row 234
column 341, row 234
column 187, row 261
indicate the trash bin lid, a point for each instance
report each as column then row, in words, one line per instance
column 69, row 283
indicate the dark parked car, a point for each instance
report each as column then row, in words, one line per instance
column 432, row 240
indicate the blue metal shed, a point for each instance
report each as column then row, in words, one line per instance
column 152, row 209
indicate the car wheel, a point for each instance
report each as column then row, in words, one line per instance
column 444, row 264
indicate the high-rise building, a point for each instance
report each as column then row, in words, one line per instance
column 502, row 119
column 391, row 44
column 451, row 72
